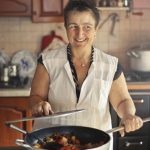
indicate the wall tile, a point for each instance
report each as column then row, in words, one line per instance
column 17, row 33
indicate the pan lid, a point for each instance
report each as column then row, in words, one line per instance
column 55, row 115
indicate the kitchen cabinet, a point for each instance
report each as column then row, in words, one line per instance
column 113, row 8
column 15, row 7
column 141, row 4
column 113, row 5
column 138, row 140
column 12, row 108
column 48, row 10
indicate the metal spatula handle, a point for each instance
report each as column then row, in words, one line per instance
column 122, row 127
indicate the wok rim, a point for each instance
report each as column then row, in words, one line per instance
column 106, row 135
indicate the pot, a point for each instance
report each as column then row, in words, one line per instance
column 139, row 60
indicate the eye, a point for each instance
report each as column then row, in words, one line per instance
column 72, row 26
column 87, row 27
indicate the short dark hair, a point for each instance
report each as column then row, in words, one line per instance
column 81, row 5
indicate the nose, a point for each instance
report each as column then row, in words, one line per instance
column 80, row 32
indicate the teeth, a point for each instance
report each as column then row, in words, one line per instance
column 80, row 40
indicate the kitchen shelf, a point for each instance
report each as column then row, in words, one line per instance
column 114, row 8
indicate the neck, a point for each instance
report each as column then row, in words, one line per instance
column 81, row 54
column 82, row 57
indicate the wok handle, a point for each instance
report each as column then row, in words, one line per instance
column 24, row 132
column 21, row 142
column 115, row 129
column 16, row 128
column 122, row 127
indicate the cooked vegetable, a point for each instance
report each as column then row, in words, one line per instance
column 66, row 141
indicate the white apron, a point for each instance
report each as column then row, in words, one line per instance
column 94, row 91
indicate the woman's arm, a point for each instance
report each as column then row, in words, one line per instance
column 39, row 92
column 123, row 104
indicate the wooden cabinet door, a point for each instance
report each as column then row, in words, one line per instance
column 15, row 7
column 8, row 136
column 48, row 10
column 13, row 108
column 141, row 3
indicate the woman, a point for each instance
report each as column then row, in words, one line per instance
column 81, row 76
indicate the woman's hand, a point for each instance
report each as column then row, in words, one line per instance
column 41, row 108
column 130, row 123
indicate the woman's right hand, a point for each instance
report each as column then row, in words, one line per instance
column 41, row 108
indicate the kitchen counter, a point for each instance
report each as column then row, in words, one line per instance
column 138, row 85
column 24, row 92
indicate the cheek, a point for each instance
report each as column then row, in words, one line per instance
column 91, row 35
column 70, row 33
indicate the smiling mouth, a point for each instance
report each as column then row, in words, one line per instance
column 80, row 40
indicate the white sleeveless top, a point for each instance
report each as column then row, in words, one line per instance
column 93, row 95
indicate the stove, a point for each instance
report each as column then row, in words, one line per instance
column 133, row 76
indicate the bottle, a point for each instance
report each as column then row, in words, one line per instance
column 103, row 3
column 5, row 77
column 126, row 3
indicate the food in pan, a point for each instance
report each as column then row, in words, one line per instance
column 67, row 141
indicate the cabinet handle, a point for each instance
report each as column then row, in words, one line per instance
column 138, row 101
column 128, row 144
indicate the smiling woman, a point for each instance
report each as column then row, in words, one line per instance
column 81, row 76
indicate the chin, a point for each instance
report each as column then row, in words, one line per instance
column 80, row 45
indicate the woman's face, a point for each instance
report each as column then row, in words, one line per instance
column 81, row 29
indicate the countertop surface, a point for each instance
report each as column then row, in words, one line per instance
column 14, row 92
column 138, row 85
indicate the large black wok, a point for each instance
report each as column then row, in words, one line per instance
column 85, row 135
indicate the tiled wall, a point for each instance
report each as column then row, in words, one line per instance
column 17, row 33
